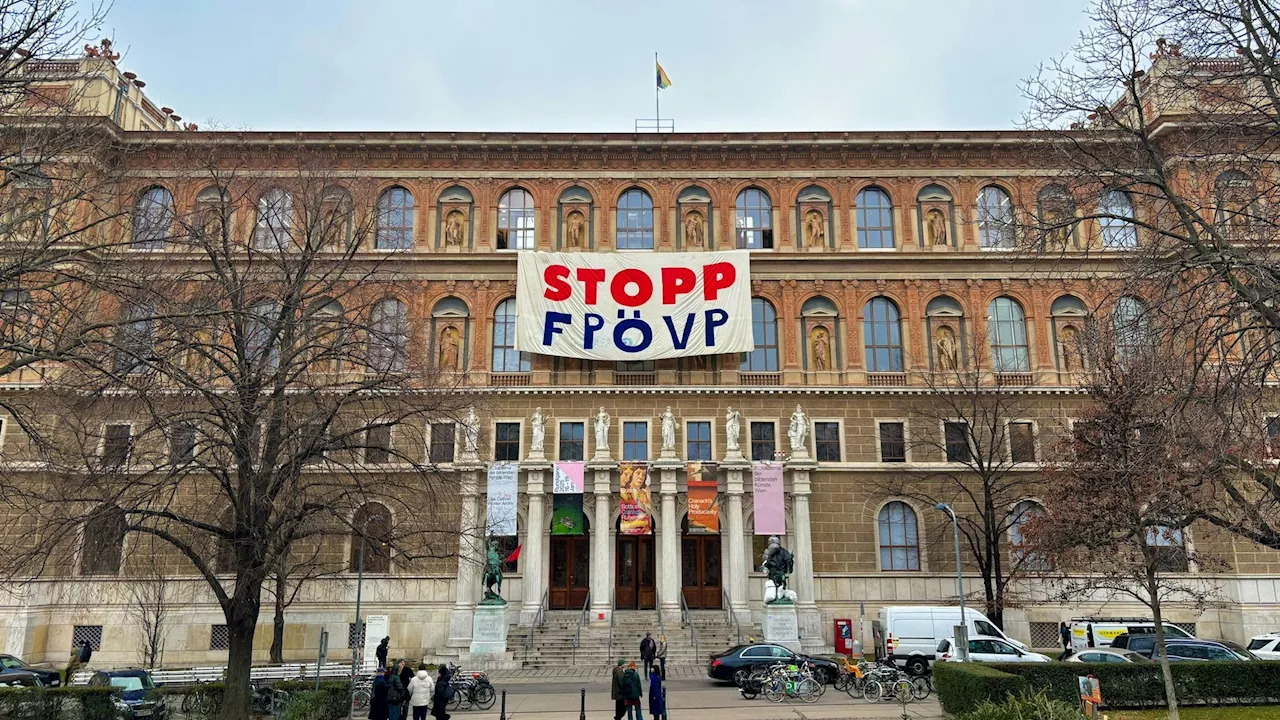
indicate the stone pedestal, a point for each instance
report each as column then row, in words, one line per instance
column 782, row 626
column 489, row 630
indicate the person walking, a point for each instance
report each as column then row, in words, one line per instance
column 648, row 650
column 86, row 652
column 395, row 694
column 632, row 691
column 381, row 652
column 615, row 689
column 421, row 689
column 406, row 676
column 657, row 697
column 378, row 700
column 662, row 654
column 441, row 696
column 1064, row 630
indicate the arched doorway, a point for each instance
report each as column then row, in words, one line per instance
column 700, row 568
column 635, row 576
column 570, row 570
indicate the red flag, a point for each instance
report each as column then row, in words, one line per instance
column 515, row 554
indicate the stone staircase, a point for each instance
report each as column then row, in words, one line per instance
column 552, row 645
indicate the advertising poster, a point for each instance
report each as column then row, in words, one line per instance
column 500, row 516
column 766, row 484
column 637, row 517
column 704, row 505
column 566, row 499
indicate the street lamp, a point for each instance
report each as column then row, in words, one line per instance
column 963, row 652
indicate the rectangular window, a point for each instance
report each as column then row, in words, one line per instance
column 571, row 441
column 92, row 633
column 219, row 638
column 1022, row 442
column 117, row 444
column 762, row 442
column 826, row 441
column 377, row 445
column 956, row 436
column 506, row 442
column 1273, row 435
column 182, row 443
column 635, row 441
column 893, row 442
column 355, row 635
column 442, row 442
column 697, row 437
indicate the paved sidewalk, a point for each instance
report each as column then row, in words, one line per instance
column 525, row 676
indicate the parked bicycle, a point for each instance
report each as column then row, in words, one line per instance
column 783, row 681
column 266, row 699
column 471, row 689
column 884, row 681
column 199, row 701
column 362, row 693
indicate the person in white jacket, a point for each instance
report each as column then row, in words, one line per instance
column 421, row 688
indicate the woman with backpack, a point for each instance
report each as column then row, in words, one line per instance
column 395, row 693
column 443, row 694
column 631, row 693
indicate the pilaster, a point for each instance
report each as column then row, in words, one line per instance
column 470, row 545
column 669, row 540
column 811, row 639
column 601, row 532
column 535, row 477
column 737, row 575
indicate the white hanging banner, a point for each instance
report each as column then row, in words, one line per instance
column 500, row 515
column 634, row 306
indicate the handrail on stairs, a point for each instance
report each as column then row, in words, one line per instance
column 687, row 617
column 577, row 633
column 732, row 616
column 538, row 620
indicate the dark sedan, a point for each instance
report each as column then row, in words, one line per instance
column 736, row 663
column 48, row 678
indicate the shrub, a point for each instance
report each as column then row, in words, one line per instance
column 85, row 703
column 331, row 702
column 964, row 686
column 1024, row 705
column 1139, row 685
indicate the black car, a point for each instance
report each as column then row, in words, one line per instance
column 20, row 678
column 1181, row 649
column 48, row 678
column 138, row 699
column 736, row 663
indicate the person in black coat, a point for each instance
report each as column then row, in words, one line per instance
column 648, row 651
column 406, row 675
column 440, row 700
column 381, row 652
column 378, row 701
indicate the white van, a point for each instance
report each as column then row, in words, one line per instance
column 911, row 633
column 1087, row 632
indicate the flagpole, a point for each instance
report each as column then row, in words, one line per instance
column 657, row 93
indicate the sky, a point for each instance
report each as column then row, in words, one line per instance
column 587, row 65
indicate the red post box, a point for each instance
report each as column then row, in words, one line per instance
column 844, row 636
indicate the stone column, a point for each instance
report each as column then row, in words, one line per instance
column 601, row 531
column 470, row 545
column 738, row 563
column 811, row 639
column 669, row 541
column 535, row 474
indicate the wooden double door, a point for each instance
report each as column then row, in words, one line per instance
column 635, row 576
column 700, row 576
column 570, row 572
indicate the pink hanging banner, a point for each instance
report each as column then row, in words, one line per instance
column 766, row 484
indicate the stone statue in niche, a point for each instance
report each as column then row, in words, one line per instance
column 575, row 230
column 453, row 229
column 1070, row 351
column 450, row 348
column 538, row 425
column 937, row 223
column 732, row 428
column 821, row 349
column 945, row 354
column 1057, row 233
column 693, row 230
column 815, row 229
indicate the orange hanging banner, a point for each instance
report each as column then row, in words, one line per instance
column 704, row 504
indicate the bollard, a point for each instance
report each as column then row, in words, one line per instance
column 582, row 706
column 503, row 714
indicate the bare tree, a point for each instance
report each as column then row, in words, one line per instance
column 153, row 599
column 276, row 392
column 1165, row 120
column 292, row 575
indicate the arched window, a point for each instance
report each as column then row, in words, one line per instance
column 947, row 347
column 754, row 213
column 1069, row 315
column 275, row 218
column 764, row 330
column 135, row 339
column 395, row 219
column 820, row 321
column 102, row 545
column 1007, row 332
column 515, row 220
column 1116, row 219
column 882, row 335
column 1057, row 216
column 874, row 218
column 899, row 537
column 1018, row 517
column 389, row 336
column 153, row 218
column 995, row 218
column 371, row 533
column 337, row 217
column 505, row 356
column 1131, row 327
column 635, row 220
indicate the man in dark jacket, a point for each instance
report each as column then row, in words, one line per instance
column 616, row 692
column 440, row 700
column 381, row 652
column 86, row 652
column 406, row 674
column 648, row 651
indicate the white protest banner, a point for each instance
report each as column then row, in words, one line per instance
column 500, row 518
column 632, row 306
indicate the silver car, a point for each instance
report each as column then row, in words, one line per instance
column 1107, row 655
